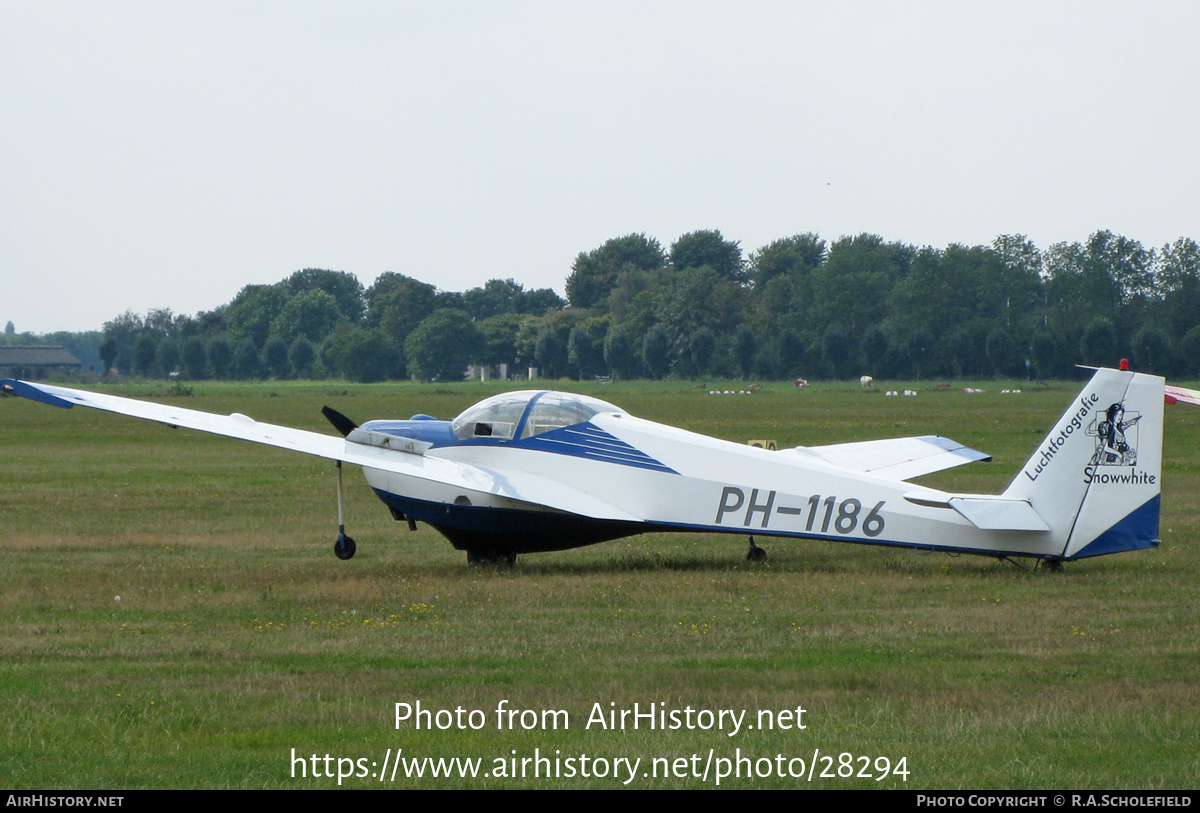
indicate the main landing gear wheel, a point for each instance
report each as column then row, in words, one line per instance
column 344, row 547
column 755, row 554
column 1053, row 565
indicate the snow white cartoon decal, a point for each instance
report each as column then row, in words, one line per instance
column 1115, row 444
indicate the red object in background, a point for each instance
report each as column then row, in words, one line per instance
column 1124, row 364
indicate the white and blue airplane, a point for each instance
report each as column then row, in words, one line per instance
column 534, row 471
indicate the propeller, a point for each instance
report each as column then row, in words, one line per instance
column 340, row 422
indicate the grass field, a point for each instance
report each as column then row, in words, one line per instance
column 237, row 636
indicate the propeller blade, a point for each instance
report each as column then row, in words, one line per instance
column 340, row 422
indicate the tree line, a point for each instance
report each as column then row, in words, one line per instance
column 796, row 307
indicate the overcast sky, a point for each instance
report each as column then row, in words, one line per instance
column 166, row 154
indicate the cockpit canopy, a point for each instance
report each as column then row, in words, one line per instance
column 527, row 413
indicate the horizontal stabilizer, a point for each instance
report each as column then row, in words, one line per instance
column 999, row 515
column 985, row 512
column 896, row 458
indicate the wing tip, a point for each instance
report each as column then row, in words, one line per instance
column 22, row 389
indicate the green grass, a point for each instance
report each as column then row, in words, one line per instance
column 238, row 636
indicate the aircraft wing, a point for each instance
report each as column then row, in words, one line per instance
column 1174, row 394
column 236, row 425
column 896, row 458
column 403, row 458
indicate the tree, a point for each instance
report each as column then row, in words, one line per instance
column 542, row 300
column 252, row 311
column 965, row 348
column 220, row 357
column 550, row 353
column 275, row 356
column 637, row 300
column 441, row 347
column 788, row 352
column 947, row 289
column 1018, row 253
column 206, row 323
column 874, row 348
column 449, row 299
column 792, row 256
column 701, row 348
column 1044, row 350
column 1001, row 352
column 853, row 286
column 839, row 351
column 656, row 351
column 594, row 274
column 124, row 331
column 160, row 323
column 700, row 248
column 500, row 338
column 745, row 345
column 195, row 359
column 9, row 330
column 1018, row 286
column 144, row 353
column 343, row 286
column 1179, row 282
column 1151, row 350
column 1126, row 262
column 532, row 331
column 313, row 314
column 495, row 298
column 245, row 359
column 782, row 302
column 168, row 356
column 584, row 353
column 696, row 298
column 1189, row 351
column 398, row 304
column 1098, row 346
column 920, row 350
column 619, row 354
column 301, row 356
column 1108, row 279
column 365, row 355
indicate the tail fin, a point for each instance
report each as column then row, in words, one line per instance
column 1095, row 478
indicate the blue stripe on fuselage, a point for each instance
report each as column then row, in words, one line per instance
column 581, row 440
column 590, row 441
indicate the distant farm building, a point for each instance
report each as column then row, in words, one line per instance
column 486, row 372
column 37, row 362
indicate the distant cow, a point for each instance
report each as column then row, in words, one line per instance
column 800, row 382
column 867, row 382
